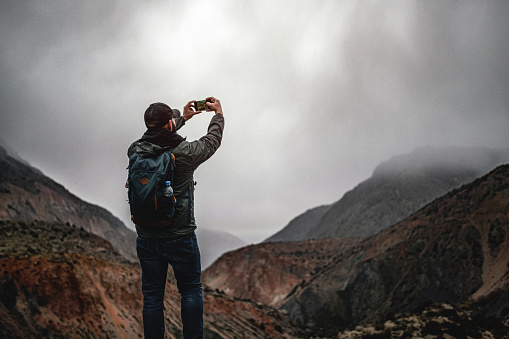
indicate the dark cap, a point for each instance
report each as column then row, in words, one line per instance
column 158, row 114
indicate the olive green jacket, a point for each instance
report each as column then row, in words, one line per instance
column 188, row 156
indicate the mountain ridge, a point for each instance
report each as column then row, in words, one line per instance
column 398, row 187
column 450, row 258
column 409, row 264
column 26, row 194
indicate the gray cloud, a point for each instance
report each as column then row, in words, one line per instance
column 315, row 96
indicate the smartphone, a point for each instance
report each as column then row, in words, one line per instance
column 201, row 105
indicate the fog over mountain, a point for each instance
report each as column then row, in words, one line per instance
column 397, row 188
column 315, row 95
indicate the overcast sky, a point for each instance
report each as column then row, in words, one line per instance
column 315, row 93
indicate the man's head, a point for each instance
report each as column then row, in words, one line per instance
column 160, row 115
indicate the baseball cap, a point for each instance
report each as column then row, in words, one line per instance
column 158, row 114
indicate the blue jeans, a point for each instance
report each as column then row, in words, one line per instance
column 184, row 256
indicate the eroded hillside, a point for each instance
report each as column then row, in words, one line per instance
column 61, row 281
column 454, row 251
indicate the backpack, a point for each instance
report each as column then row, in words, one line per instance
column 150, row 207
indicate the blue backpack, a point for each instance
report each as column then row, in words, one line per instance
column 149, row 205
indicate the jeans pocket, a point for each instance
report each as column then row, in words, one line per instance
column 142, row 248
column 182, row 250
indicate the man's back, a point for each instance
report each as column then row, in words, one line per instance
column 188, row 156
column 175, row 243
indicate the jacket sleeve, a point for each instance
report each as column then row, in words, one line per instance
column 202, row 149
column 179, row 122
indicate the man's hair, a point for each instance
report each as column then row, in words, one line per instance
column 158, row 115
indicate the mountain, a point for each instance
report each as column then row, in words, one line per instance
column 443, row 269
column 60, row 281
column 268, row 272
column 26, row 195
column 455, row 251
column 397, row 188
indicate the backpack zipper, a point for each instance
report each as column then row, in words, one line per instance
column 156, row 188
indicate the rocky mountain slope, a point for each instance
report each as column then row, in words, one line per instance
column 26, row 194
column 268, row 272
column 453, row 253
column 397, row 188
column 60, row 281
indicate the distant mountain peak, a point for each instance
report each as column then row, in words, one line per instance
column 479, row 159
column 398, row 187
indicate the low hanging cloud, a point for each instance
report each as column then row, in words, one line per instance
column 315, row 95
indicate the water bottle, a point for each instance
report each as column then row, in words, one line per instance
column 169, row 205
column 168, row 191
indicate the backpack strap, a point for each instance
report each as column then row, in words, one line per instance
column 172, row 169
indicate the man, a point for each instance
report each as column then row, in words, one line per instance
column 175, row 244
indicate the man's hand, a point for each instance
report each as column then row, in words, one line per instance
column 189, row 111
column 214, row 105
